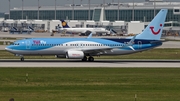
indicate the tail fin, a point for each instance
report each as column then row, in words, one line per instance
column 29, row 27
column 64, row 24
column 154, row 30
column 14, row 28
column 112, row 32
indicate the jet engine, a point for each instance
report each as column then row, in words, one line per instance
column 74, row 54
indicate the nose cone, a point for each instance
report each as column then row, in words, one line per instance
column 8, row 48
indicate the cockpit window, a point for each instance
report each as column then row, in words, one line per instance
column 16, row 44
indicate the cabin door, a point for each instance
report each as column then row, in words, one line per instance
column 28, row 45
column 139, row 44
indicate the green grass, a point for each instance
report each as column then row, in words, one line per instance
column 158, row 53
column 90, row 84
column 8, row 38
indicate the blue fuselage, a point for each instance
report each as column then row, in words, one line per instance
column 91, row 46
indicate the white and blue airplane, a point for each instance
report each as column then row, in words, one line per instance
column 81, row 48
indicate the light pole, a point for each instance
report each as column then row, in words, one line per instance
column 104, row 3
column 89, row 10
column 118, row 10
column 80, row 2
column 38, row 10
column 22, row 7
column 154, row 8
column 73, row 10
column 9, row 8
column 104, row 10
column 133, row 12
column 55, row 11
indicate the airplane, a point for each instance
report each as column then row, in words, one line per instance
column 81, row 48
column 19, row 31
column 85, row 31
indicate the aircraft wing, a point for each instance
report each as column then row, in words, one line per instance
column 97, row 50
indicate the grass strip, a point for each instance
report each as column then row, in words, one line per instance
column 90, row 84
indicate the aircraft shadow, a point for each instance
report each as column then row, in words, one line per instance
column 96, row 61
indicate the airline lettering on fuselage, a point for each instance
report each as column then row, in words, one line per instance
column 39, row 42
column 75, row 54
column 155, row 33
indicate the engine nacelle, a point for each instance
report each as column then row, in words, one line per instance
column 74, row 54
column 60, row 56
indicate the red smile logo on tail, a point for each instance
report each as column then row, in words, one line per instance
column 155, row 33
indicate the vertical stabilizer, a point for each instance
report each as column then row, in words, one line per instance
column 29, row 27
column 64, row 24
column 154, row 30
column 14, row 28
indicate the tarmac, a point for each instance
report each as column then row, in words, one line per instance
column 97, row 63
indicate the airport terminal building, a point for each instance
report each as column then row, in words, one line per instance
column 143, row 11
column 125, row 18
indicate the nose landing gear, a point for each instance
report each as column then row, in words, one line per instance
column 22, row 58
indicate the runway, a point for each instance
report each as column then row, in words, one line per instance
column 97, row 63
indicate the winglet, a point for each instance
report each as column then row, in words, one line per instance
column 131, row 42
column 90, row 36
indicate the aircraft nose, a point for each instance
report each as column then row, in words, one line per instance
column 8, row 49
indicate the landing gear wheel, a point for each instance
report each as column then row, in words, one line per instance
column 91, row 59
column 22, row 58
column 84, row 59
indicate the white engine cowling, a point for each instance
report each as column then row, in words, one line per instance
column 74, row 54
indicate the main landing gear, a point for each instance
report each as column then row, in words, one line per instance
column 90, row 59
column 84, row 59
column 22, row 58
